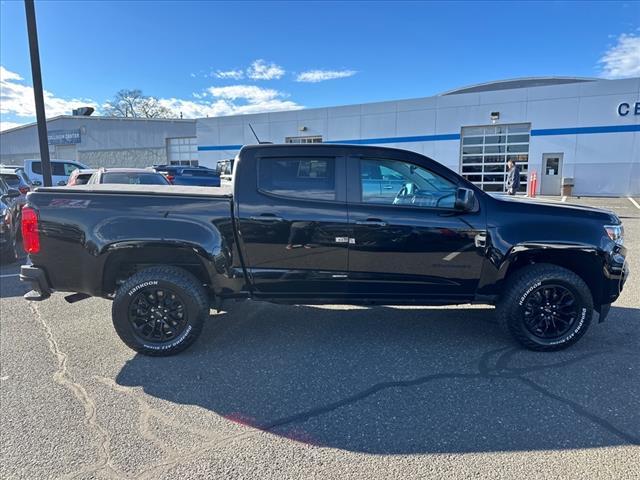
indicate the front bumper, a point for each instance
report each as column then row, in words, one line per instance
column 37, row 278
column 616, row 271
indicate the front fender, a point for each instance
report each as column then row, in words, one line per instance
column 586, row 261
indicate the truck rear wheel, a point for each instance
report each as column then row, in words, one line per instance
column 160, row 311
column 545, row 307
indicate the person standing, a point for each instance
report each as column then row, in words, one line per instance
column 512, row 183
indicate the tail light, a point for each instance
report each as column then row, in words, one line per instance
column 171, row 178
column 24, row 190
column 30, row 234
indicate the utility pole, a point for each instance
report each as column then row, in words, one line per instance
column 30, row 10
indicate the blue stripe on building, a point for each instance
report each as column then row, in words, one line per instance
column 456, row 136
column 585, row 130
column 206, row 148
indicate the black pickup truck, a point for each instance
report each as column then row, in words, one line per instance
column 321, row 224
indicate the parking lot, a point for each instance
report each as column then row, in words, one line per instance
column 319, row 392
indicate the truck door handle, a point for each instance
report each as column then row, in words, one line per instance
column 387, row 187
column 372, row 221
column 266, row 217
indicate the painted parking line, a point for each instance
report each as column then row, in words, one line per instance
column 634, row 202
column 10, row 275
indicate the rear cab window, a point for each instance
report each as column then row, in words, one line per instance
column 134, row 178
column 11, row 180
column 310, row 178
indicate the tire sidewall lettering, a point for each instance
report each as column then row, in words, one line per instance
column 574, row 332
column 142, row 285
column 173, row 344
column 528, row 292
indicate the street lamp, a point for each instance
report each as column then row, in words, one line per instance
column 30, row 11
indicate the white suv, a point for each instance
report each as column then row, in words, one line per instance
column 60, row 171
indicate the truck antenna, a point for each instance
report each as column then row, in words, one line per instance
column 254, row 134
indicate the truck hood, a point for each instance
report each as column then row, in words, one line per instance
column 556, row 208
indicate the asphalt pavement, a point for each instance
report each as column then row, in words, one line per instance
column 319, row 392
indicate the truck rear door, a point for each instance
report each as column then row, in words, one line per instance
column 292, row 220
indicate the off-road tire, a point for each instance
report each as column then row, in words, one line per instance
column 184, row 285
column 524, row 282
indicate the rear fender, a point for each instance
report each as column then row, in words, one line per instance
column 164, row 241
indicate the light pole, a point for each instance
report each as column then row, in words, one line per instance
column 30, row 10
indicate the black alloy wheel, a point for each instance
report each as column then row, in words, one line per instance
column 550, row 311
column 157, row 315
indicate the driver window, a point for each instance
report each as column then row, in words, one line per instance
column 393, row 182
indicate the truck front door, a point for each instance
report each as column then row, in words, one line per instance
column 293, row 227
column 410, row 243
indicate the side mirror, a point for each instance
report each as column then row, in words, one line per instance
column 12, row 193
column 465, row 199
column 62, row 183
column 36, row 183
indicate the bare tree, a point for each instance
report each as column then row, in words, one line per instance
column 132, row 103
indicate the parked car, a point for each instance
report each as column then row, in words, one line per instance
column 129, row 176
column 225, row 170
column 60, row 171
column 184, row 175
column 80, row 176
column 300, row 226
column 9, row 222
column 15, row 178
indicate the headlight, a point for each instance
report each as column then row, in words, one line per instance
column 615, row 233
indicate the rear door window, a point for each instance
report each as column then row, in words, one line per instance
column 57, row 168
column 311, row 178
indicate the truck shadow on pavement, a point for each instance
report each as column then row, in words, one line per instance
column 401, row 381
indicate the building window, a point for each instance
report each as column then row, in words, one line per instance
column 484, row 153
column 308, row 139
column 182, row 151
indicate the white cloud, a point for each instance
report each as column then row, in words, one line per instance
column 229, row 74
column 16, row 99
column 231, row 100
column 251, row 93
column 623, row 59
column 7, row 125
column 261, row 70
column 315, row 76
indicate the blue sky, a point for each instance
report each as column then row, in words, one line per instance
column 216, row 58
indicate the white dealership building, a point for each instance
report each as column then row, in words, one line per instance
column 105, row 141
column 584, row 130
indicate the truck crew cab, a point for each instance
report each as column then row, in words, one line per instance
column 323, row 224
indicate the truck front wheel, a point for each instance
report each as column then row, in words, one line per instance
column 160, row 311
column 545, row 307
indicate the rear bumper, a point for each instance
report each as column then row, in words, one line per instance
column 37, row 278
